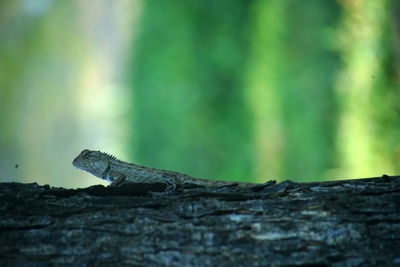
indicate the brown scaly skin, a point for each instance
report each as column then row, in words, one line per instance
column 117, row 172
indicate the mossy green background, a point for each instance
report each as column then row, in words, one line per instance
column 242, row 90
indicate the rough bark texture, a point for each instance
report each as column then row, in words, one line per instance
column 351, row 222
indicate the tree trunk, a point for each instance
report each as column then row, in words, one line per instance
column 350, row 222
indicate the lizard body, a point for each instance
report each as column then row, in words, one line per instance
column 117, row 172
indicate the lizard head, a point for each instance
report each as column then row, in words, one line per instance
column 94, row 162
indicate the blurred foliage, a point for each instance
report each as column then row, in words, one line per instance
column 41, row 56
column 253, row 89
column 244, row 90
column 368, row 88
column 292, row 65
column 188, row 101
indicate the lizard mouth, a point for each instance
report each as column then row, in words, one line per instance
column 75, row 163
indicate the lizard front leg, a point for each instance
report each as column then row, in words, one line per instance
column 171, row 182
column 116, row 178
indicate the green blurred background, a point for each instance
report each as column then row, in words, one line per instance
column 228, row 89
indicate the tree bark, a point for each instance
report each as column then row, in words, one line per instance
column 349, row 222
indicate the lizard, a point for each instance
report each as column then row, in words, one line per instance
column 117, row 172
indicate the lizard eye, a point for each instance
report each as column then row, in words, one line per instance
column 85, row 153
